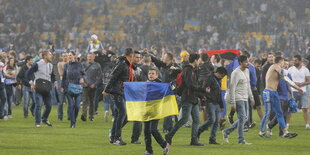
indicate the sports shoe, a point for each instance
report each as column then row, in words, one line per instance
column 91, row 119
column 252, row 125
column 38, row 126
column 195, row 142
column 147, row 153
column 168, row 139
column 136, row 142
column 269, row 132
column 47, row 123
column 290, row 135
column 213, row 142
column 307, row 126
column 244, row 143
column 230, row 119
column 72, row 126
column 83, row 118
column 263, row 135
column 119, row 142
column 166, row 149
column 10, row 116
column 225, row 136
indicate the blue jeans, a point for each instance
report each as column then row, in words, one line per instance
column 223, row 92
column 27, row 95
column 9, row 99
column 188, row 109
column 213, row 111
column 272, row 103
column 37, row 110
column 242, row 111
column 120, row 115
column 2, row 100
column 62, row 99
column 74, row 102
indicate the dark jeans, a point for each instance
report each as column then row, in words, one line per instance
column 150, row 128
column 2, row 100
column 188, row 109
column 213, row 111
column 61, row 99
column 48, row 107
column 168, row 123
column 274, row 121
column 74, row 102
column 99, row 96
column 89, row 101
column 120, row 115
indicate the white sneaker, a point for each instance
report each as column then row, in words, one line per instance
column 307, row 126
column 38, row 126
column 225, row 137
column 5, row 118
column 10, row 116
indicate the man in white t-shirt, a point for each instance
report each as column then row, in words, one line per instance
column 301, row 76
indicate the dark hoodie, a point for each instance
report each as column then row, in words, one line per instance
column 192, row 89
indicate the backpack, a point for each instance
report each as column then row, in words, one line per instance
column 179, row 84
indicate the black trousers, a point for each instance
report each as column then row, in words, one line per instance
column 150, row 128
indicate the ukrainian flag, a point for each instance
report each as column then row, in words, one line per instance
column 147, row 101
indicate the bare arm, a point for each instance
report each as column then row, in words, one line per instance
column 287, row 79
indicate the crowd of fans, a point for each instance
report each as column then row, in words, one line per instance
column 257, row 26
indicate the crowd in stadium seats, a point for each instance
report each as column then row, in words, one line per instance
column 255, row 25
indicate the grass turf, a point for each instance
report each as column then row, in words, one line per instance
column 19, row 136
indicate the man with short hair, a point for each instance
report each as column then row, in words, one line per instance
column 123, row 72
column 301, row 76
column 169, row 71
column 21, row 80
column 239, row 94
column 61, row 96
column 189, row 100
column 93, row 73
column 271, row 97
column 214, row 102
column 43, row 69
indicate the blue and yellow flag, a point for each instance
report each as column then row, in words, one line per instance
column 147, row 101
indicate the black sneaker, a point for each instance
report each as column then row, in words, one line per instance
column 214, row 142
column 47, row 123
column 290, row 135
column 83, row 118
column 59, row 119
column 91, row 119
column 168, row 139
column 119, row 142
column 72, row 126
column 252, row 125
column 263, row 135
column 230, row 119
column 136, row 142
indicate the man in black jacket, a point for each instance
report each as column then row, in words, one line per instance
column 189, row 99
column 23, row 83
column 169, row 71
column 214, row 103
column 123, row 72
